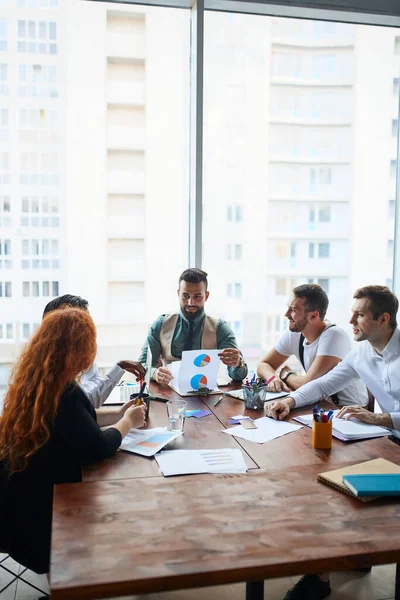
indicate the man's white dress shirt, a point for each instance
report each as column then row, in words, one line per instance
column 380, row 373
column 97, row 388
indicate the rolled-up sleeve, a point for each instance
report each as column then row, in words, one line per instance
column 331, row 383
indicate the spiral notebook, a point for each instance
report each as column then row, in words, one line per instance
column 374, row 467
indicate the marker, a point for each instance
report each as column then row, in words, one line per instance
column 329, row 415
column 139, row 398
column 218, row 401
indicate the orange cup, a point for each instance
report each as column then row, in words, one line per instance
column 322, row 435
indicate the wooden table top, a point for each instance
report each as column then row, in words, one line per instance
column 115, row 535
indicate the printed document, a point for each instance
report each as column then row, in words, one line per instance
column 197, row 369
column 267, row 429
column 148, row 441
column 186, row 462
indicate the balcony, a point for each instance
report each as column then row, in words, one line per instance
column 126, row 45
column 125, row 269
column 126, row 93
column 126, row 227
column 126, row 138
column 125, row 182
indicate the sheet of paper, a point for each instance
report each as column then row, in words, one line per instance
column 175, row 368
column 202, row 413
column 198, row 369
column 148, row 441
column 185, row 462
column 350, row 429
column 267, row 430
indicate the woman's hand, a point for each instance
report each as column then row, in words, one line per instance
column 136, row 415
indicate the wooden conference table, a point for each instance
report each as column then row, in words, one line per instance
column 128, row 530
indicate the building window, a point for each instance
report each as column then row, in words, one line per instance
column 395, row 127
column 234, row 213
column 5, row 177
column 293, row 250
column 393, row 168
column 28, row 329
column 37, row 81
column 234, row 251
column 41, row 289
column 323, row 250
column 324, row 214
column 280, row 287
column 396, row 87
column 37, row 3
column 311, row 250
column 40, row 254
column 40, row 211
column 391, row 209
column 390, row 248
column 397, row 45
column 3, row 35
column 6, row 331
column 5, row 289
column 311, row 215
column 37, row 37
column 324, row 283
column 234, row 290
column 5, row 251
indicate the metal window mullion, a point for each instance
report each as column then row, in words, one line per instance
column 396, row 241
column 196, row 134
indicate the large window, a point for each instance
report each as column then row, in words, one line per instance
column 94, row 141
column 289, row 115
column 299, row 165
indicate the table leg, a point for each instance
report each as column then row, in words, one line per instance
column 255, row 590
column 397, row 583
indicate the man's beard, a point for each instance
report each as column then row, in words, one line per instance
column 191, row 314
column 299, row 326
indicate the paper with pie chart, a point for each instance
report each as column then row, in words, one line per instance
column 197, row 369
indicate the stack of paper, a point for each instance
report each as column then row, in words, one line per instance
column 267, row 429
column 348, row 430
column 186, row 462
column 148, row 441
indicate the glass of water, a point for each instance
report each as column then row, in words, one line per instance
column 176, row 410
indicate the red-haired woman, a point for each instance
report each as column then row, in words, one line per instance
column 48, row 430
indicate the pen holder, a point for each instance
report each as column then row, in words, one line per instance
column 322, row 435
column 252, row 400
column 146, row 400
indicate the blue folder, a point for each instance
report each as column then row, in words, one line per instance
column 373, row 484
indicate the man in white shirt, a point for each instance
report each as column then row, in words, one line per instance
column 318, row 345
column 376, row 361
column 97, row 388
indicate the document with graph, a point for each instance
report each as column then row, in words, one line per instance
column 197, row 371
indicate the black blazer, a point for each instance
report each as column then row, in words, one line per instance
column 26, row 498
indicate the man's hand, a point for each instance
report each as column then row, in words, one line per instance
column 365, row 416
column 230, row 357
column 133, row 367
column 279, row 409
column 276, row 385
column 162, row 375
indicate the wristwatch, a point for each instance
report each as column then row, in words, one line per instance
column 286, row 375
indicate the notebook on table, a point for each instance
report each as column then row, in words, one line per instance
column 379, row 484
column 348, row 430
column 369, row 467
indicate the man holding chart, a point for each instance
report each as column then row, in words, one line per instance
column 318, row 345
column 191, row 329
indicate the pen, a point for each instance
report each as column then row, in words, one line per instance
column 218, row 401
column 139, row 398
column 330, row 413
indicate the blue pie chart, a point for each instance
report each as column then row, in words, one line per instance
column 198, row 381
column 202, row 360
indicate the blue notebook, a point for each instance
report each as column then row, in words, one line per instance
column 373, row 484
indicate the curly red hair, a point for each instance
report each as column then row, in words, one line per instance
column 62, row 347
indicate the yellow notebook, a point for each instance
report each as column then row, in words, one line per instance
column 373, row 467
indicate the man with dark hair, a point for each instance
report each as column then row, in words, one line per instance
column 191, row 329
column 318, row 345
column 96, row 388
column 375, row 361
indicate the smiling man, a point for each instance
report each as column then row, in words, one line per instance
column 191, row 329
column 318, row 345
column 376, row 361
